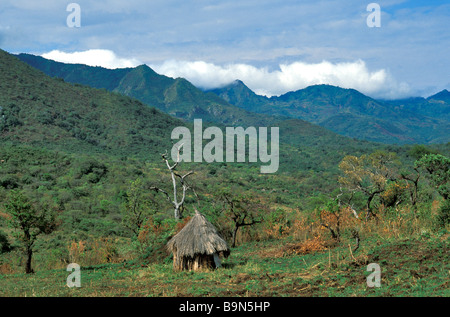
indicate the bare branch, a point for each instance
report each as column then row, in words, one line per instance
column 156, row 189
column 177, row 205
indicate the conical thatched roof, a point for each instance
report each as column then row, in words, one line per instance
column 198, row 237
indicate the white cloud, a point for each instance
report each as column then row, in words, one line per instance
column 289, row 77
column 103, row 58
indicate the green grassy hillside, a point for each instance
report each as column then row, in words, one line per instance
column 303, row 143
column 41, row 111
column 92, row 156
column 177, row 97
column 252, row 272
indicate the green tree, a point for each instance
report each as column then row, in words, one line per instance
column 29, row 221
column 242, row 210
column 413, row 179
column 138, row 206
column 438, row 168
column 368, row 174
column 419, row 150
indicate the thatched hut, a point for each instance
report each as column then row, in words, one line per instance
column 197, row 246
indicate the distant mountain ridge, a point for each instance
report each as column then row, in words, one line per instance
column 351, row 113
column 41, row 111
column 344, row 111
column 177, row 97
column 443, row 95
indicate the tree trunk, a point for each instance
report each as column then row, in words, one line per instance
column 29, row 251
column 414, row 195
column 236, row 228
column 177, row 213
column 369, row 208
column 28, row 268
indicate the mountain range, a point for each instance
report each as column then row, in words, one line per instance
column 41, row 111
column 351, row 113
column 177, row 97
column 44, row 112
column 344, row 111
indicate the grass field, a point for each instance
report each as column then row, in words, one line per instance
column 417, row 267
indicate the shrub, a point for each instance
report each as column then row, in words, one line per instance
column 92, row 166
column 4, row 243
column 9, row 182
column 443, row 216
column 154, row 235
column 94, row 252
column 277, row 224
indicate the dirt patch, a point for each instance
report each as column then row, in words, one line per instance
column 241, row 278
column 308, row 246
column 404, row 252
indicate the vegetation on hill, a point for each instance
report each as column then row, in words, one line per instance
column 350, row 113
column 178, row 97
column 41, row 111
column 344, row 111
column 93, row 158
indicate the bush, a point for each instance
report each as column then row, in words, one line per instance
column 4, row 243
column 443, row 216
column 153, row 236
column 276, row 223
column 92, row 169
column 9, row 182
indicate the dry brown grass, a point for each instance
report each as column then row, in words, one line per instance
column 5, row 269
column 94, row 252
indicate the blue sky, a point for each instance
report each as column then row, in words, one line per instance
column 273, row 46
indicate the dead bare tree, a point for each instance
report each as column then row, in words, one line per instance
column 178, row 204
